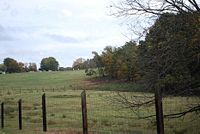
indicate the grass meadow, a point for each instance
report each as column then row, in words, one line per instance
column 63, row 100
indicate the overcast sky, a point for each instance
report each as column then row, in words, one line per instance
column 65, row 29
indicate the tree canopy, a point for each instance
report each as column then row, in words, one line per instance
column 49, row 63
column 11, row 65
column 167, row 59
column 118, row 62
column 169, row 54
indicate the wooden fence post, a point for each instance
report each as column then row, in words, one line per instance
column 159, row 112
column 84, row 112
column 44, row 113
column 20, row 113
column 2, row 115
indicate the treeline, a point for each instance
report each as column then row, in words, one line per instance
column 119, row 63
column 81, row 63
column 168, row 58
column 11, row 65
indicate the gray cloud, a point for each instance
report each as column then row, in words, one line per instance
column 64, row 39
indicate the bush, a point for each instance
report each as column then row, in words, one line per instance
column 90, row 72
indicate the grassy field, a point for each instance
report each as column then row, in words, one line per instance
column 41, row 80
column 63, row 91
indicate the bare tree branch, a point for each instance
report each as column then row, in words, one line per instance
column 181, row 114
column 138, row 102
column 153, row 7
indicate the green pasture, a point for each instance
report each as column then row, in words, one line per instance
column 105, row 115
column 40, row 80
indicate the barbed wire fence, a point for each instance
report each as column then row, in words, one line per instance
column 104, row 115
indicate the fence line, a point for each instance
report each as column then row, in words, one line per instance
column 85, row 121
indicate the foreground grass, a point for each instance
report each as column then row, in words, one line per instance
column 64, row 110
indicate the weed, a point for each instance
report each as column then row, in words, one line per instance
column 52, row 114
column 63, row 116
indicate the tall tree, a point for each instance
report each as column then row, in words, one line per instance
column 107, row 57
column 171, row 52
column 169, row 60
column 49, row 63
column 169, row 55
column 130, row 58
column 99, row 63
column 11, row 65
